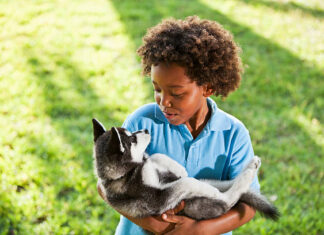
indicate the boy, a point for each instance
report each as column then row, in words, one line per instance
column 188, row 61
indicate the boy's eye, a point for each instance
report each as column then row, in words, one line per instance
column 177, row 95
column 172, row 94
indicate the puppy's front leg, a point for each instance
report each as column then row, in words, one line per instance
column 166, row 163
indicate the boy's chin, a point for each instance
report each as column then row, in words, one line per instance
column 175, row 122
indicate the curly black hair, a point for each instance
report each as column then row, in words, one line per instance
column 203, row 47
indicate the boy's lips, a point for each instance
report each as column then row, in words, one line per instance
column 169, row 115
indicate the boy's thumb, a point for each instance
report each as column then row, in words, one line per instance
column 172, row 218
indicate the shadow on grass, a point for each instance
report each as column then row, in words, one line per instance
column 275, row 81
column 286, row 7
column 71, row 103
column 278, row 78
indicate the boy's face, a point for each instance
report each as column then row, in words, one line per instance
column 180, row 99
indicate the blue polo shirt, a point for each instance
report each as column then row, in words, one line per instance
column 220, row 151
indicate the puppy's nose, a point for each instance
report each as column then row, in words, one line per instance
column 146, row 131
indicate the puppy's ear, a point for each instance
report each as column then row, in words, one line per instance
column 98, row 129
column 115, row 136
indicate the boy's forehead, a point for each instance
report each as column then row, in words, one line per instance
column 168, row 67
column 174, row 84
column 173, row 75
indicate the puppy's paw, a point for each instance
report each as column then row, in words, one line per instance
column 183, row 173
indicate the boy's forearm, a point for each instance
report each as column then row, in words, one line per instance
column 236, row 217
column 152, row 224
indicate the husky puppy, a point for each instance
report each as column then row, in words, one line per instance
column 140, row 185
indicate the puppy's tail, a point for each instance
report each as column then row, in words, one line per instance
column 261, row 204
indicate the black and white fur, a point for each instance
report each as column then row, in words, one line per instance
column 140, row 185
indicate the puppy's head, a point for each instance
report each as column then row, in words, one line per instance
column 117, row 151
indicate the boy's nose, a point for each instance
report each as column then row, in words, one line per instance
column 165, row 101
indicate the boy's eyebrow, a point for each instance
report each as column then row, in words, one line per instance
column 172, row 86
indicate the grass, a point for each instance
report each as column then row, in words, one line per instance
column 64, row 62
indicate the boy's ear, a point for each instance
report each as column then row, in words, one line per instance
column 208, row 90
column 98, row 129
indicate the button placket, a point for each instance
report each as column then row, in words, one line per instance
column 192, row 158
column 185, row 132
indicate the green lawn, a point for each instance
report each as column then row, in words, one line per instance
column 64, row 62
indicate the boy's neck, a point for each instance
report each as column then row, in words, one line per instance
column 197, row 123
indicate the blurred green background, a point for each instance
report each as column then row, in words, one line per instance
column 63, row 62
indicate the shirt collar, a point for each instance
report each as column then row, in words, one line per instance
column 218, row 120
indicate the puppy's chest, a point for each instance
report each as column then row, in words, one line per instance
column 127, row 185
column 118, row 186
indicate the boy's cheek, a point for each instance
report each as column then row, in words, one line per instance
column 157, row 98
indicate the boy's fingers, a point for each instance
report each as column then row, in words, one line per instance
column 171, row 211
column 99, row 190
column 179, row 207
column 172, row 218
column 176, row 209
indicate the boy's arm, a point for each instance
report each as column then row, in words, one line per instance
column 236, row 217
column 152, row 223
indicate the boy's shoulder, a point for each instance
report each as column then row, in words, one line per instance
column 145, row 111
column 143, row 117
column 232, row 120
column 222, row 120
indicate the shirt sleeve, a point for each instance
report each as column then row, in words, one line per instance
column 241, row 156
column 128, row 124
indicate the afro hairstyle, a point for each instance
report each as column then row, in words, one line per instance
column 203, row 47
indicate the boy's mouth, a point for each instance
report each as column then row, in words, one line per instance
column 169, row 115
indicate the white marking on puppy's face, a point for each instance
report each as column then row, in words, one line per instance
column 122, row 149
column 137, row 149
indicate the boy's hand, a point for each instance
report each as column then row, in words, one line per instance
column 173, row 211
column 156, row 224
column 101, row 193
column 182, row 224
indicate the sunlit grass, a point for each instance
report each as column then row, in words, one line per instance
column 294, row 25
column 312, row 126
column 64, row 62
